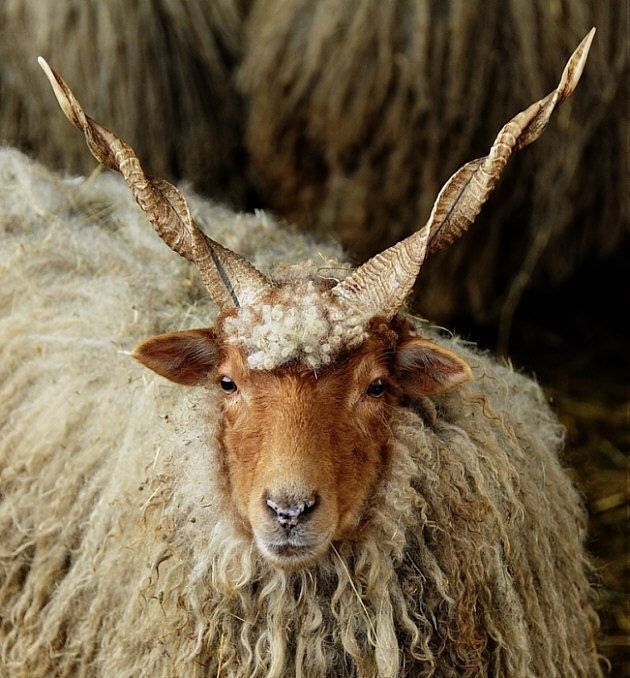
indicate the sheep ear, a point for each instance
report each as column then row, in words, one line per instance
column 424, row 368
column 183, row 357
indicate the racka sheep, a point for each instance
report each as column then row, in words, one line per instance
column 351, row 494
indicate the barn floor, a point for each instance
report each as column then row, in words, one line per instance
column 575, row 341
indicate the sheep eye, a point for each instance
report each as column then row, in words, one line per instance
column 376, row 388
column 228, row 385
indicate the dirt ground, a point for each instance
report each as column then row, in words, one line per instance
column 575, row 341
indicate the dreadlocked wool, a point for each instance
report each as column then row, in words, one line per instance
column 358, row 112
column 119, row 553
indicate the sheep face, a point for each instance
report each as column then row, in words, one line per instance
column 303, row 449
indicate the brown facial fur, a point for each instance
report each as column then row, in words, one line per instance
column 292, row 434
column 291, row 437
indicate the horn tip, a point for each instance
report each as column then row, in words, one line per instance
column 582, row 51
column 588, row 39
column 45, row 67
column 68, row 104
column 573, row 70
column 52, row 77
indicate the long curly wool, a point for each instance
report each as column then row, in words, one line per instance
column 119, row 553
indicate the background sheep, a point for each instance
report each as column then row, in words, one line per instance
column 135, row 58
column 496, row 564
column 359, row 111
column 118, row 551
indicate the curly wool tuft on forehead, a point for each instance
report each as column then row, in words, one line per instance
column 299, row 321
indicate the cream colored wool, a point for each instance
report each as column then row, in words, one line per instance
column 300, row 323
column 119, row 555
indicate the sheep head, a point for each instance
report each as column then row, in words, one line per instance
column 303, row 448
column 310, row 372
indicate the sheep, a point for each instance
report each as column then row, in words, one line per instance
column 349, row 494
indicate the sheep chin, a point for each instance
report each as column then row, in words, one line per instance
column 297, row 557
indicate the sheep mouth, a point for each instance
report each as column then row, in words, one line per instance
column 290, row 555
column 289, row 550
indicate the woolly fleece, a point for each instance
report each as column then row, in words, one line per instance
column 118, row 550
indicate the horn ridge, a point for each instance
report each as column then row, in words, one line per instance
column 228, row 277
column 382, row 283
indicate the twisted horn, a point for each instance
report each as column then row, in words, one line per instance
column 230, row 279
column 382, row 283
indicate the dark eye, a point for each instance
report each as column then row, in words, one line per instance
column 228, row 385
column 376, row 388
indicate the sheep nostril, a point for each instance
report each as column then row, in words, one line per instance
column 291, row 511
